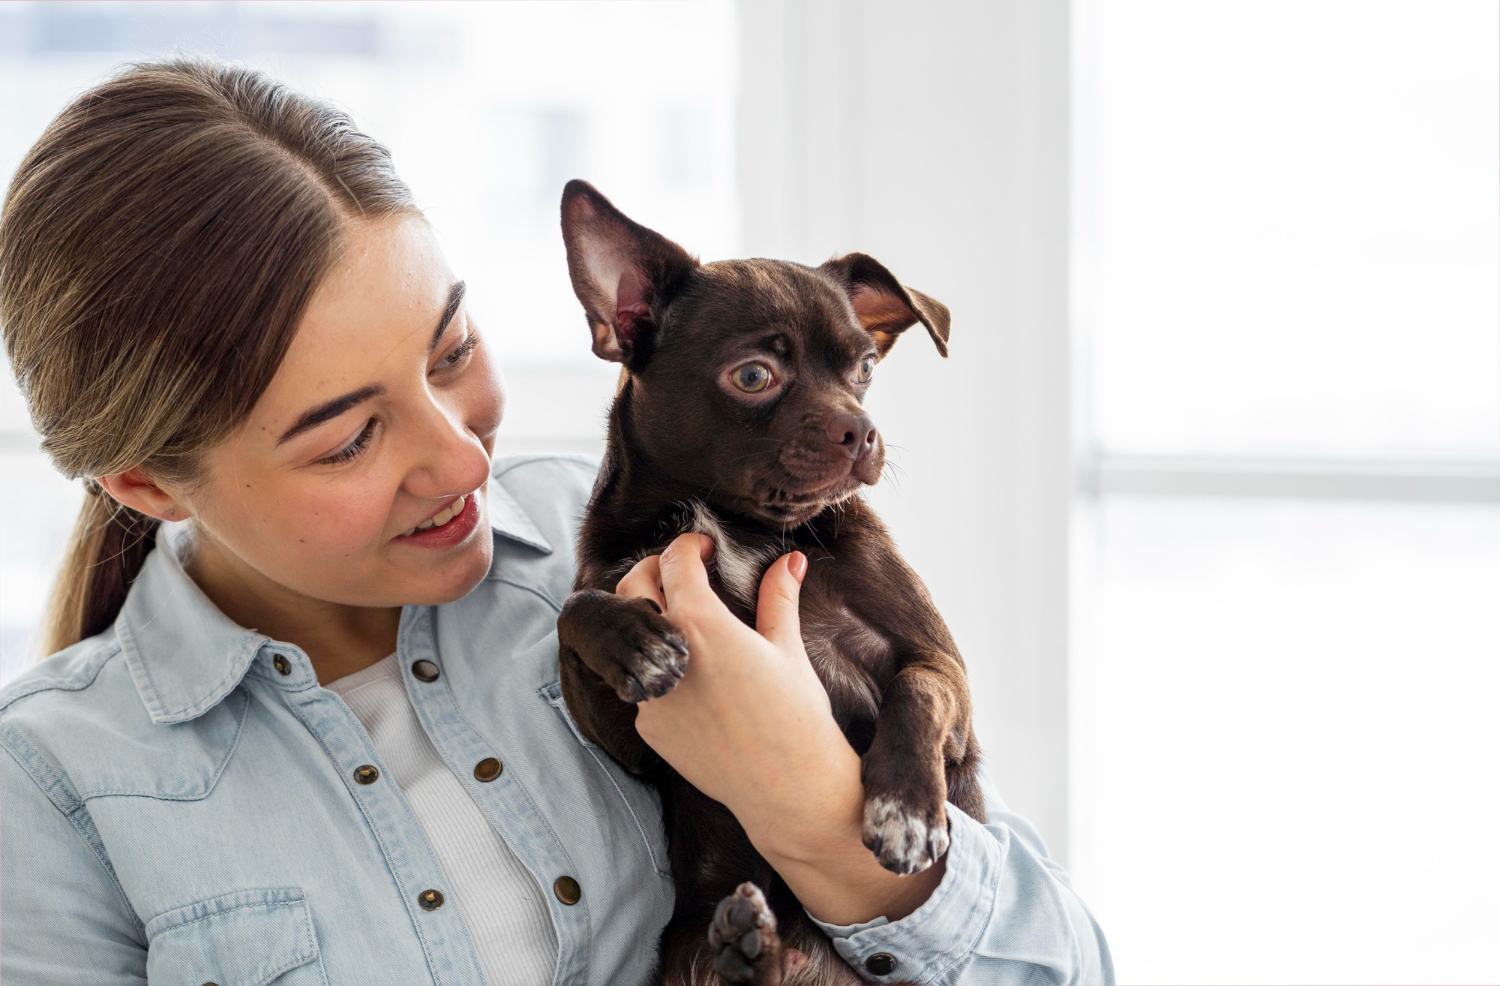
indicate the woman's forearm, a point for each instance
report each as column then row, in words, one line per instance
column 819, row 852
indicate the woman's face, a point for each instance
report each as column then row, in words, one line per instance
column 380, row 420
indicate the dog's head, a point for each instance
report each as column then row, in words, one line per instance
column 745, row 378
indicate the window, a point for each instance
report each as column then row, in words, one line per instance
column 488, row 109
column 1288, row 265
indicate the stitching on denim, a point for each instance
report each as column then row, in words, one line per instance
column 71, row 683
column 374, row 830
column 560, row 706
column 541, row 594
column 92, row 840
column 213, row 781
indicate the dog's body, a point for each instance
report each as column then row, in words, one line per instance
column 738, row 417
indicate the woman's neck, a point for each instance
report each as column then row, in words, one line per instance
column 338, row 638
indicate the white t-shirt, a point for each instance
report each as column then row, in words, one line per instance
column 500, row 901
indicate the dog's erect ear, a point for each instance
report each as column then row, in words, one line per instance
column 884, row 306
column 622, row 272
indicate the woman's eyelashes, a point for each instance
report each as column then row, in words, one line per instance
column 460, row 352
column 352, row 451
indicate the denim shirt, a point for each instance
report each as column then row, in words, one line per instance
column 180, row 804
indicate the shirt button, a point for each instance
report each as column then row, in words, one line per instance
column 425, row 671
column 567, row 890
column 487, row 769
column 367, row 774
column 430, row 900
column 880, row 964
column 282, row 665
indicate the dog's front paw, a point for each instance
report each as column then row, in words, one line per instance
column 906, row 836
column 743, row 937
column 643, row 655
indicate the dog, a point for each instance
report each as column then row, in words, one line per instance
column 739, row 415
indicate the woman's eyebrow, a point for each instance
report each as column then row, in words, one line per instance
column 455, row 298
column 329, row 410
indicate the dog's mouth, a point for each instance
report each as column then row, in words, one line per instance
column 790, row 505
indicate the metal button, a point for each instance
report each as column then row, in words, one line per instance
column 880, row 964
column 430, row 900
column 367, row 774
column 425, row 671
column 282, row 665
column 567, row 890
column 487, row 769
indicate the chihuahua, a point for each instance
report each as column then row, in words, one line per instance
column 739, row 416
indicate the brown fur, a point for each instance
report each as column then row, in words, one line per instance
column 763, row 477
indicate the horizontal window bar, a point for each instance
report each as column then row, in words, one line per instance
column 1373, row 479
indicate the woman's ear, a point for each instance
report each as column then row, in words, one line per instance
column 137, row 490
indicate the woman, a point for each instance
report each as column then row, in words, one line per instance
column 303, row 725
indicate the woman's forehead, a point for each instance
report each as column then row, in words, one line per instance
column 373, row 311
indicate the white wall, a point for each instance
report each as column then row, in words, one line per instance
column 934, row 136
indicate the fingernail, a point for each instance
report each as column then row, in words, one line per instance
column 797, row 565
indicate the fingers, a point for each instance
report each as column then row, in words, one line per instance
column 644, row 581
column 776, row 616
column 684, row 578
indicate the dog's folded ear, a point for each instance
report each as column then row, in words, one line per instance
column 884, row 306
column 622, row 272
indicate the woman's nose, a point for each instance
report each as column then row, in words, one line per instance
column 449, row 457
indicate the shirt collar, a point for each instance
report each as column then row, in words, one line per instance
column 185, row 655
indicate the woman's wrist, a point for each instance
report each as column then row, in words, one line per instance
column 813, row 841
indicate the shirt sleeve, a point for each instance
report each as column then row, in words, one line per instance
column 1003, row 913
column 66, row 919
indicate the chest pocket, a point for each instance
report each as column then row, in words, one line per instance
column 250, row 938
column 641, row 801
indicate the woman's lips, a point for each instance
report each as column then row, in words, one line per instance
column 456, row 529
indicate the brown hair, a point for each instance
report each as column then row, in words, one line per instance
column 157, row 248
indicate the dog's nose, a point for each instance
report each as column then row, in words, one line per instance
column 854, row 433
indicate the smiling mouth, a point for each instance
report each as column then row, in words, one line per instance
column 440, row 518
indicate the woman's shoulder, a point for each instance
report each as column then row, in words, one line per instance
column 84, row 695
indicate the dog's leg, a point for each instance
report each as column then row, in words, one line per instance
column 744, row 940
column 625, row 641
column 924, row 724
column 601, row 716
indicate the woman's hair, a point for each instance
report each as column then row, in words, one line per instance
column 157, row 248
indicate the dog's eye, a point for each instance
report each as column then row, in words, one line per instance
column 752, row 378
column 866, row 369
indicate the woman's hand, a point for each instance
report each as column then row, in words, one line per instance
column 750, row 726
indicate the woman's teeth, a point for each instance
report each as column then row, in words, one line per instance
column 454, row 509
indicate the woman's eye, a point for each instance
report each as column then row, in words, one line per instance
column 866, row 369
column 460, row 352
column 752, row 378
column 352, row 451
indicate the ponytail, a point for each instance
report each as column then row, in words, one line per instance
column 108, row 548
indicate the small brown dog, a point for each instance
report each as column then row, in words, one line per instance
column 739, row 416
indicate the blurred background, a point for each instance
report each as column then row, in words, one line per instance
column 1210, row 488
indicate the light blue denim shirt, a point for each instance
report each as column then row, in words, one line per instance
column 180, row 805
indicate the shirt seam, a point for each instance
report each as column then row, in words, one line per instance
column 98, row 851
column 111, row 651
column 541, row 594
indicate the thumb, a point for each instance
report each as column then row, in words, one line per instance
column 776, row 616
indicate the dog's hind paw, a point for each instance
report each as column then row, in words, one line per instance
column 905, row 838
column 746, row 946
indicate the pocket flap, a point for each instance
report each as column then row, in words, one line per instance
column 249, row 938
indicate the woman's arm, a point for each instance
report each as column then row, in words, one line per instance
column 66, row 920
column 750, row 725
